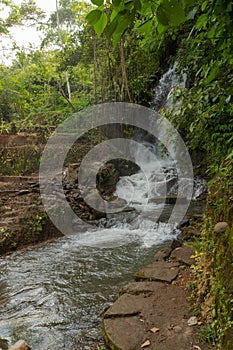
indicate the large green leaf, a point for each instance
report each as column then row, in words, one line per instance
column 111, row 28
column 162, row 16
column 123, row 21
column 171, row 12
column 116, row 3
column 145, row 27
column 93, row 17
column 101, row 24
column 97, row 2
column 118, row 25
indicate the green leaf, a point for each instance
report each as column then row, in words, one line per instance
column 145, row 27
column 161, row 28
column 162, row 16
column 137, row 5
column 111, row 28
column 116, row 3
column 212, row 75
column 93, row 17
column 122, row 24
column 203, row 5
column 118, row 25
column 101, row 24
column 97, row 2
column 202, row 21
column 171, row 13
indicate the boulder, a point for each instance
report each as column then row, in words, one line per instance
column 163, row 254
column 220, row 227
column 183, row 255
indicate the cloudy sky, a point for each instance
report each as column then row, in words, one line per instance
column 24, row 36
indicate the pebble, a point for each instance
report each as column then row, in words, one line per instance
column 177, row 329
column 192, row 321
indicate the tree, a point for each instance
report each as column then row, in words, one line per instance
column 26, row 14
column 141, row 14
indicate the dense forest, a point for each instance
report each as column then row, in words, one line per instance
column 115, row 51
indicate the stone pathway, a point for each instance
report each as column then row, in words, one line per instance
column 153, row 312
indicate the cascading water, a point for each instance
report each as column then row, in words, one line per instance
column 169, row 81
column 51, row 295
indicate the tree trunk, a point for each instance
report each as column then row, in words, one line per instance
column 63, row 49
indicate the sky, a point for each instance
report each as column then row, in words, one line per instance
column 24, row 36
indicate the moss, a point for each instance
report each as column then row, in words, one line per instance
column 214, row 271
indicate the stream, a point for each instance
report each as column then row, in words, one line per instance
column 52, row 295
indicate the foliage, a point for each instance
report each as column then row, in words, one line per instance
column 118, row 56
column 141, row 14
column 205, row 113
column 27, row 13
column 214, row 270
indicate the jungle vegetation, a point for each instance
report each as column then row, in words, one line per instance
column 116, row 50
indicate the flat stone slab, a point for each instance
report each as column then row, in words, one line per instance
column 127, row 304
column 120, row 332
column 130, row 321
column 141, row 287
column 183, row 255
column 158, row 271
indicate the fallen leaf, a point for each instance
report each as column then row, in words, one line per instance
column 154, row 329
column 199, row 323
column 145, row 344
column 196, row 347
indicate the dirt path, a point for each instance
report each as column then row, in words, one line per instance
column 153, row 312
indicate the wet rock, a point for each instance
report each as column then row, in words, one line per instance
column 183, row 255
column 20, row 345
column 220, row 227
column 189, row 232
column 176, row 243
column 158, row 271
column 185, row 222
column 98, row 205
column 72, row 174
column 163, row 254
column 107, row 179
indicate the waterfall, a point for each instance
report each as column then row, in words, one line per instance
column 169, row 81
